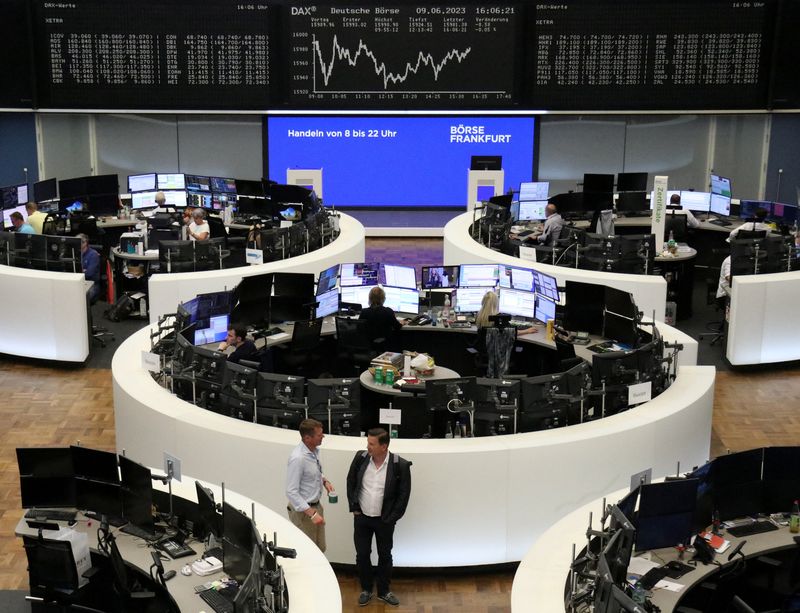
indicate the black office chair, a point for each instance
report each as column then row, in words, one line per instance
column 354, row 346
column 751, row 234
column 53, row 575
column 678, row 225
column 54, row 225
column 499, row 347
column 302, row 353
column 565, row 354
column 217, row 229
column 716, row 328
column 125, row 585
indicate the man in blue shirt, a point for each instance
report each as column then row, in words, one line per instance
column 20, row 225
column 305, row 483
column 90, row 261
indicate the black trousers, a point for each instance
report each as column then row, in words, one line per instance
column 363, row 530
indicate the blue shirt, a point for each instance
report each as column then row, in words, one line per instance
column 90, row 261
column 303, row 477
column 26, row 228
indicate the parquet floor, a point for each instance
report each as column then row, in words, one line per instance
column 41, row 405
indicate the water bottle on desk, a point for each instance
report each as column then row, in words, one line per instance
column 446, row 309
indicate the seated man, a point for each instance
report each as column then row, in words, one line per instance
column 756, row 225
column 199, row 229
column 552, row 226
column 675, row 203
column 90, row 261
column 18, row 221
column 381, row 320
column 35, row 217
column 244, row 348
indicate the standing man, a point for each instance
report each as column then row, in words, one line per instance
column 305, row 483
column 378, row 488
column 552, row 226
column 35, row 217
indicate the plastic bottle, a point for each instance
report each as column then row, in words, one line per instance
column 446, row 309
column 715, row 523
column 457, row 430
column 671, row 244
column 794, row 518
column 639, row 595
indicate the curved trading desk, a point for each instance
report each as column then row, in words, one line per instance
column 44, row 314
column 649, row 291
column 521, row 483
column 166, row 291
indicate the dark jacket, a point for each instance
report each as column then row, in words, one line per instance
column 381, row 322
column 246, row 351
column 398, row 485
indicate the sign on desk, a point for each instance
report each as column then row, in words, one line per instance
column 390, row 416
column 639, row 393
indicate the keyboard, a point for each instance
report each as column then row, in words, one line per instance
column 217, row 601
column 757, row 527
column 138, row 532
column 720, row 222
column 53, row 514
column 174, row 550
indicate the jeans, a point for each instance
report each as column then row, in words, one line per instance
column 363, row 529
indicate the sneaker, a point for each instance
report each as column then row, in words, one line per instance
column 363, row 598
column 390, row 598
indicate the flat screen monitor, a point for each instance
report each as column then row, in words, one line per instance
column 434, row 277
column 736, row 484
column 620, row 329
column 784, row 213
column 176, row 198
column 666, row 512
column 468, row 299
column 400, row 276
column 632, row 201
column 720, row 205
column 137, row 494
column 517, row 303
column 328, row 303
column 632, row 182
column 534, row 190
column 221, row 200
column 440, row 392
column 696, row 201
column 402, row 299
column 340, row 394
column 73, row 189
column 583, row 309
column 214, row 330
column 170, row 180
column 748, row 208
column 46, row 477
column 198, row 183
column 781, row 477
column 486, row 162
column 142, row 183
column 237, row 542
column 45, row 190
column 223, row 185
column 358, row 274
column 545, row 309
column 357, row 294
column 104, row 204
column 546, row 285
column 291, row 292
column 721, row 186
column 143, row 200
column 598, row 183
column 478, row 275
column 251, row 300
column 327, row 279
column 620, row 302
column 17, row 209
column 252, row 189
column 45, row 462
column 515, row 277
column 207, row 510
column 532, row 210
column 14, row 195
column 102, row 184
column 95, row 464
column 99, row 497
column 278, row 391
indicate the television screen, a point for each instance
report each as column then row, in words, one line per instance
column 434, row 277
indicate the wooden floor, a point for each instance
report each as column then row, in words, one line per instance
column 58, row 406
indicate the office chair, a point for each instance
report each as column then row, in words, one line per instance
column 217, row 229
column 126, row 587
column 751, row 234
column 716, row 329
column 740, row 606
column 53, row 576
column 565, row 354
column 499, row 346
column 354, row 346
column 54, row 225
column 302, row 350
column 678, row 225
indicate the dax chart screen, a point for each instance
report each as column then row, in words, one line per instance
column 415, row 56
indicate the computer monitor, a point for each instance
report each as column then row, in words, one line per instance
column 102, row 184
column 720, row 205
column 781, row 476
column 95, row 464
column 175, row 198
column 620, row 302
column 176, row 256
column 736, row 484
column 669, row 195
column 545, row 309
column 696, row 201
column 220, row 200
column 143, row 200
column 327, row 279
column 212, row 330
column 442, row 393
column 104, row 205
column 784, row 213
column 17, row 209
column 515, row 277
column 170, row 181
column 343, row 397
column 211, row 520
column 251, row 189
column 209, row 364
column 98, row 497
column 486, row 162
column 237, row 542
column 631, row 182
column 598, row 183
column 532, row 210
column 73, row 189
column 402, row 299
column 539, row 409
column 198, row 183
column 615, row 368
column 721, row 186
column 632, row 202
column 328, row 303
column 534, row 190
column 357, row 294
column 45, row 190
column 399, row 276
column 223, row 185
column 546, row 285
column 517, row 303
column 46, row 477
column 277, row 391
column 468, row 299
column 291, row 293
column 495, row 403
column 583, row 310
column 137, row 494
column 666, row 512
column 478, row 275
column 358, row 274
column 748, row 208
column 142, row 183
column 434, row 277
column 248, row 598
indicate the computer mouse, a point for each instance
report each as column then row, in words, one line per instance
column 186, row 570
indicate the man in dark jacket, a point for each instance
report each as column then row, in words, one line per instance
column 378, row 488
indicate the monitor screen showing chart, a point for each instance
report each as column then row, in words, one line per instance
column 546, row 285
column 532, row 210
column 142, row 183
column 357, row 294
column 328, row 303
column 545, row 309
column 696, row 201
column 517, row 303
column 402, row 299
column 468, row 299
column 170, row 181
column 516, row 278
column 721, row 186
column 358, row 274
column 478, row 275
column 400, row 276
column 720, row 205
column 534, row 190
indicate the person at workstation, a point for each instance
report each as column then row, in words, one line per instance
column 35, row 217
column 378, row 489
column 756, row 225
column 552, row 226
column 381, row 320
column 243, row 347
column 20, row 225
column 199, row 229
column 675, row 203
column 160, row 200
column 90, row 262
column 305, row 483
column 490, row 305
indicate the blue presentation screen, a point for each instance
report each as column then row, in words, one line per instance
column 398, row 161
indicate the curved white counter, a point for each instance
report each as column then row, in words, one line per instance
column 473, row 501
column 649, row 291
column 762, row 326
column 166, row 291
column 43, row 314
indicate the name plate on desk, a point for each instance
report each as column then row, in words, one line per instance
column 254, row 256
column 390, row 416
column 639, row 393
column 151, row 361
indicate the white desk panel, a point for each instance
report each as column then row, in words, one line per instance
column 473, row 501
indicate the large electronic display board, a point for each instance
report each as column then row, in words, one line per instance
column 406, row 161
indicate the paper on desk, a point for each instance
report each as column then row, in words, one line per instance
column 670, row 586
column 280, row 336
column 640, row 566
